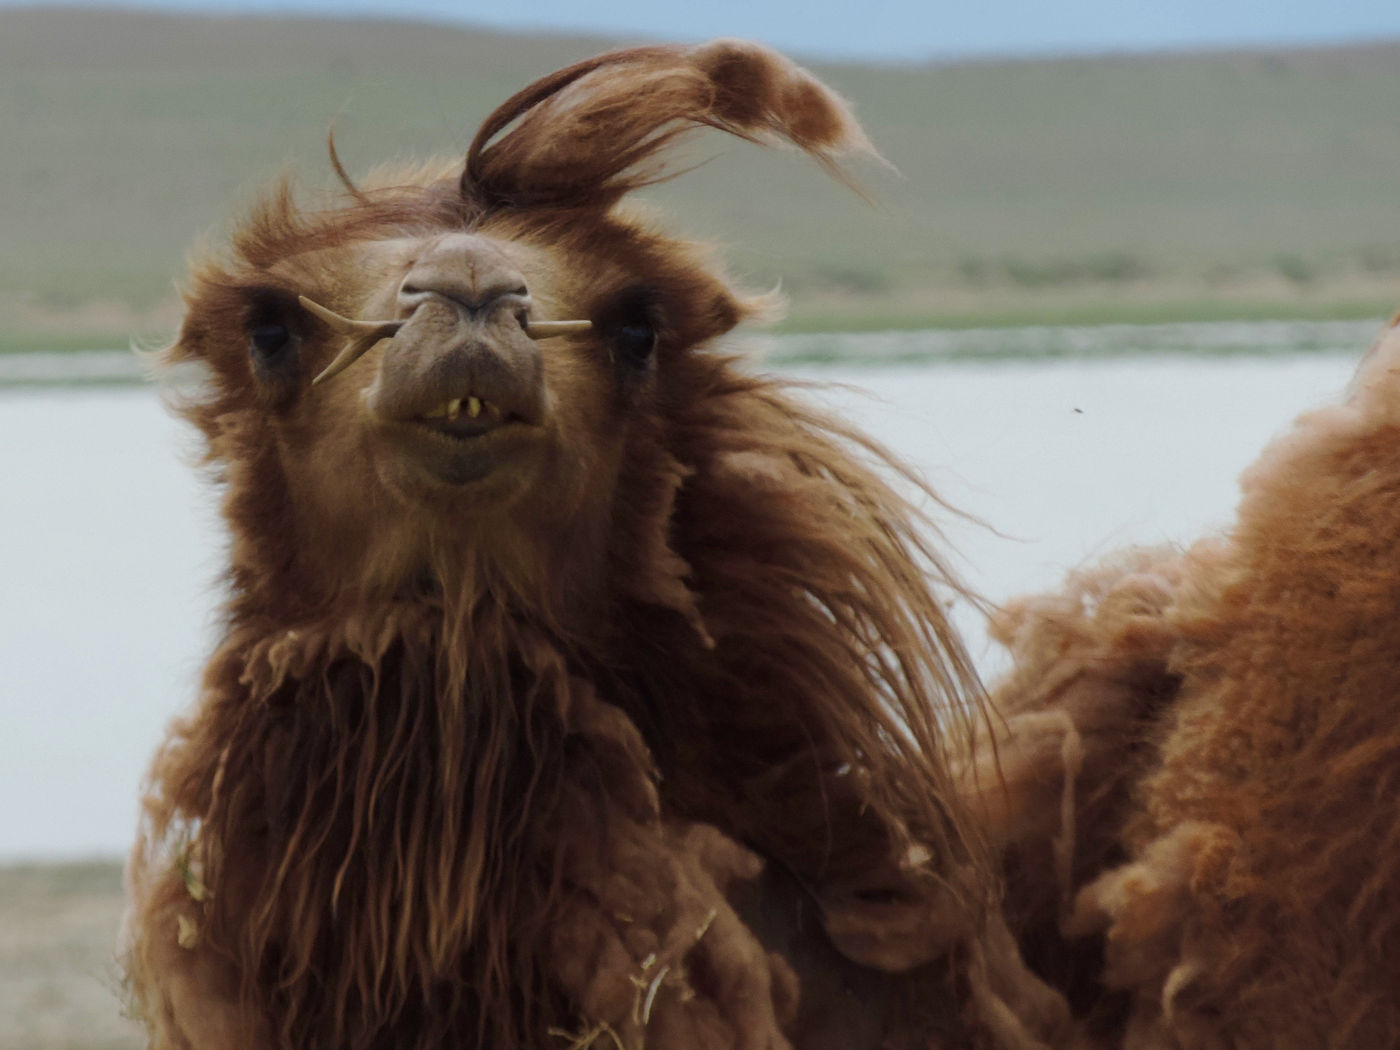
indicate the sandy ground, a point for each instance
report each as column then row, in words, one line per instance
column 59, row 981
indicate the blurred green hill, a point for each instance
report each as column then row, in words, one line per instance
column 1115, row 188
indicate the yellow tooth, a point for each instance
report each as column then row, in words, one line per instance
column 454, row 408
column 473, row 407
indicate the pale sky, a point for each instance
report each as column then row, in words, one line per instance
column 897, row 29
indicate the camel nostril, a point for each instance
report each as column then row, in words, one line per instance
column 465, row 298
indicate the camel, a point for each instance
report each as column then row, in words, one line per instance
column 578, row 685
column 1202, row 745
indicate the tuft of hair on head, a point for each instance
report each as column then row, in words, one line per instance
column 339, row 168
column 594, row 131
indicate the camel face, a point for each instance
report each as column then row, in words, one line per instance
column 471, row 390
column 455, row 403
column 472, row 369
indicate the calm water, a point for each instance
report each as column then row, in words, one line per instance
column 111, row 545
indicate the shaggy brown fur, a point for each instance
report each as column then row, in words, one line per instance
column 1223, row 729
column 598, row 721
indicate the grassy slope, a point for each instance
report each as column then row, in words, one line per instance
column 1163, row 186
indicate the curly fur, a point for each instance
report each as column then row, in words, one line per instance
column 511, row 777
column 1241, row 863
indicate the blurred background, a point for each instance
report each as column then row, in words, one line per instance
column 1119, row 246
column 1053, row 163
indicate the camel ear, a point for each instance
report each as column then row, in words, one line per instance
column 586, row 135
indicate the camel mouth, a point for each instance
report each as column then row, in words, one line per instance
column 466, row 418
column 459, row 443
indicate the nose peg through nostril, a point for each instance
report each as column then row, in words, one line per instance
column 468, row 273
column 361, row 335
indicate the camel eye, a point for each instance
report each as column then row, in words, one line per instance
column 634, row 343
column 269, row 341
column 273, row 341
column 632, row 322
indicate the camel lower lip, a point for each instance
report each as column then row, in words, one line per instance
column 462, row 428
column 454, row 454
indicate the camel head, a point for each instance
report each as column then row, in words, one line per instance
column 470, row 368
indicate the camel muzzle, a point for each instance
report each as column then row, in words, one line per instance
column 468, row 274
